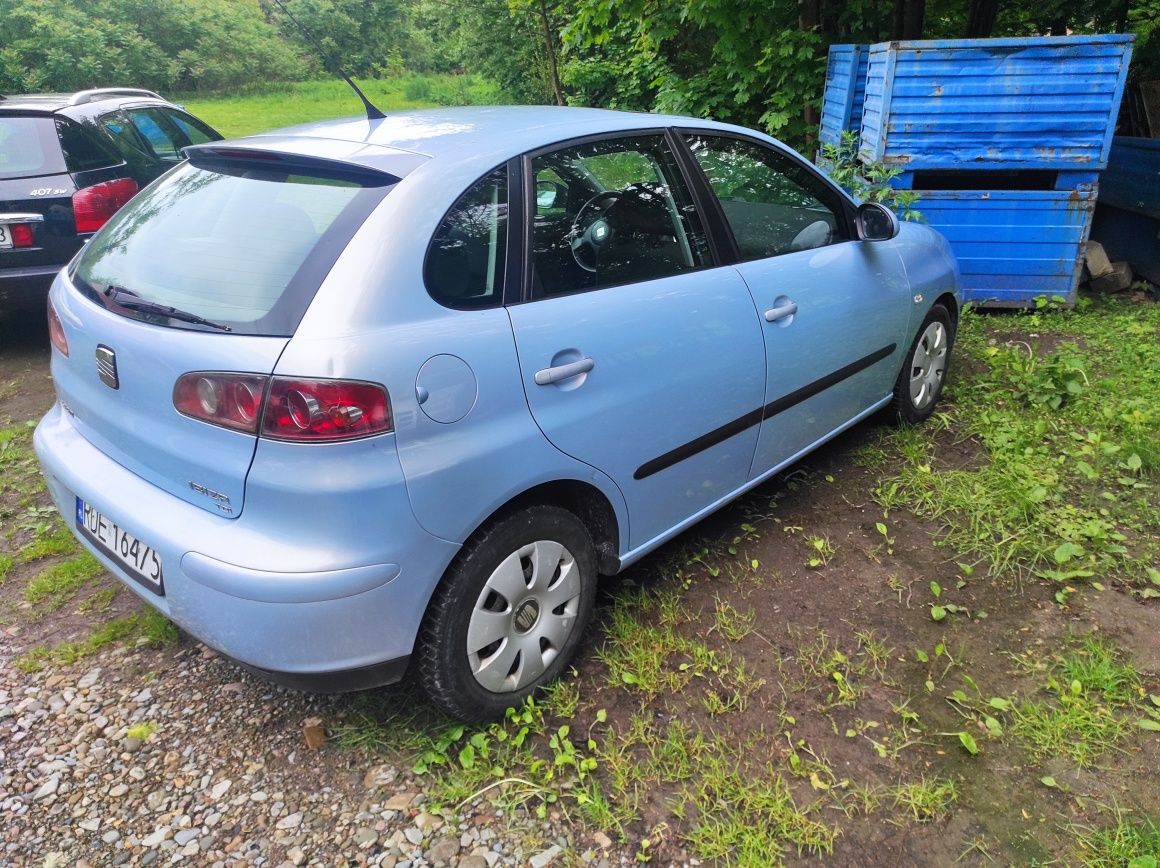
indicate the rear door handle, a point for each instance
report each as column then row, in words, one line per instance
column 776, row 313
column 548, row 376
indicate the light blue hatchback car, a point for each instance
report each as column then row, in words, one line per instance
column 363, row 398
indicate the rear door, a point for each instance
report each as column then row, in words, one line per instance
column 638, row 356
column 243, row 246
column 833, row 309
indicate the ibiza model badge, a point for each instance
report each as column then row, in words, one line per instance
column 221, row 501
column 107, row 366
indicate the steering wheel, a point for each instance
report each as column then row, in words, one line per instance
column 591, row 231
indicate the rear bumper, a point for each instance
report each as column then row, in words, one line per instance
column 26, row 286
column 346, row 681
column 332, row 626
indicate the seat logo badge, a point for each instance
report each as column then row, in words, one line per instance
column 107, row 366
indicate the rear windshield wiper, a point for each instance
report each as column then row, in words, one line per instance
column 128, row 299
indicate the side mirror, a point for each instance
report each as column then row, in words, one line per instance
column 876, row 222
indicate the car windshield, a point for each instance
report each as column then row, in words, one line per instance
column 243, row 247
column 29, row 147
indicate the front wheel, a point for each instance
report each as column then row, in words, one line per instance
column 509, row 615
column 921, row 380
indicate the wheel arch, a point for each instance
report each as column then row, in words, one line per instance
column 948, row 300
column 584, row 500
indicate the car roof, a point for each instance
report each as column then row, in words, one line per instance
column 488, row 134
column 79, row 101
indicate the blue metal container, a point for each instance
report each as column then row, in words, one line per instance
column 1028, row 103
column 845, row 91
column 1127, row 220
column 1014, row 245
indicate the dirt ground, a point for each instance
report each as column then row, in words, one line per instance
column 842, row 688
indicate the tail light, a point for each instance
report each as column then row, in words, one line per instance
column 285, row 409
column 56, row 330
column 93, row 206
column 230, row 400
column 325, row 410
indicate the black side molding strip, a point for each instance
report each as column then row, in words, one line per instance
column 755, row 417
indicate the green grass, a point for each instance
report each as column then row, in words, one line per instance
column 303, row 102
column 1085, row 713
column 147, row 624
column 748, row 817
column 1125, row 843
column 59, row 583
column 647, row 654
column 53, row 542
column 923, row 800
column 1064, row 488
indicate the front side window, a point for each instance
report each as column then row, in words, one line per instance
column 772, row 204
column 465, row 263
column 612, row 212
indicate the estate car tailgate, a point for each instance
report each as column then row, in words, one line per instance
column 43, row 205
column 117, row 382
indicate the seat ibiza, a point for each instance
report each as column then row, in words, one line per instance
column 366, row 398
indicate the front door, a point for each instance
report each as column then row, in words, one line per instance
column 638, row 356
column 833, row 309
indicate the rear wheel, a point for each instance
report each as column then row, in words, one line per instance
column 509, row 615
column 920, row 382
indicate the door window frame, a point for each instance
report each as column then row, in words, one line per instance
column 524, row 291
column 844, row 211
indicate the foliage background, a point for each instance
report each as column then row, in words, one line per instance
column 755, row 62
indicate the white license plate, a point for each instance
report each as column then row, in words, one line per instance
column 5, row 236
column 139, row 559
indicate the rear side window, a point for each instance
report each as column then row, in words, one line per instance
column 84, row 151
column 29, row 147
column 465, row 263
column 243, row 247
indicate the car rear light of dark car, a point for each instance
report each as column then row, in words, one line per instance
column 281, row 408
column 56, row 331
column 21, row 234
column 93, row 206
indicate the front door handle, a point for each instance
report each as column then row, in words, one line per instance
column 555, row 374
column 785, row 310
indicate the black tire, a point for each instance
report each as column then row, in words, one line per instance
column 444, row 666
column 923, row 370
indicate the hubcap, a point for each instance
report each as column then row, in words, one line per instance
column 928, row 365
column 523, row 617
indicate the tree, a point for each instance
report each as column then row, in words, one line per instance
column 160, row 44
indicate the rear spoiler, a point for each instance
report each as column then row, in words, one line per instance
column 219, row 155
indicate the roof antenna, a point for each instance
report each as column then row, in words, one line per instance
column 373, row 113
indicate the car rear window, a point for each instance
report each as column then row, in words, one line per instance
column 244, row 247
column 29, row 147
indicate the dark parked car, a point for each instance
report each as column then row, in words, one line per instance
column 67, row 163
